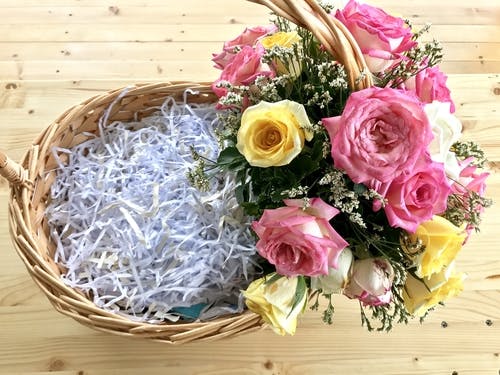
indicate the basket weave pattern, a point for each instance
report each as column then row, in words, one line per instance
column 31, row 182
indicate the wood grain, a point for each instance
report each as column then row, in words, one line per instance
column 56, row 53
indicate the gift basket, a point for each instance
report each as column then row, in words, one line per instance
column 338, row 169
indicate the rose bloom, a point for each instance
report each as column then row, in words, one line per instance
column 273, row 134
column 243, row 70
column 298, row 240
column 371, row 281
column 381, row 37
column 415, row 196
column 337, row 278
column 441, row 240
column 430, row 85
column 286, row 40
column 421, row 295
column 247, row 38
column 380, row 135
column 470, row 180
column 447, row 130
column 274, row 302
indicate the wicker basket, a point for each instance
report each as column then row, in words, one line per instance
column 31, row 182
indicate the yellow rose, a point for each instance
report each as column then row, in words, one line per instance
column 442, row 241
column 286, row 40
column 421, row 295
column 272, row 134
column 274, row 302
column 282, row 39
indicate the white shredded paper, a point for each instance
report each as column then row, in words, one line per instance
column 135, row 235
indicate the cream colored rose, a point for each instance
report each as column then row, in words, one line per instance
column 447, row 130
column 286, row 40
column 272, row 134
column 421, row 295
column 274, row 302
column 442, row 241
column 337, row 278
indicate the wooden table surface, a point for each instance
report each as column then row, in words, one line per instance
column 56, row 53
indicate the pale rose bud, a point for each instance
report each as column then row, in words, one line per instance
column 371, row 281
column 337, row 278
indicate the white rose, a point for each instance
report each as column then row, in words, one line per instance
column 447, row 130
column 337, row 279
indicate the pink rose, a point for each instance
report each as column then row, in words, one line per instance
column 414, row 197
column 380, row 135
column 371, row 281
column 429, row 85
column 243, row 70
column 299, row 241
column 247, row 38
column 222, row 59
column 381, row 37
column 469, row 180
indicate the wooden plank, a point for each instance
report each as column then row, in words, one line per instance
column 71, row 51
column 151, row 32
column 226, row 4
column 40, row 347
column 445, row 12
column 234, row 12
column 244, row 12
column 470, row 67
column 154, row 69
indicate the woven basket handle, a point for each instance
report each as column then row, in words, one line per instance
column 12, row 171
column 330, row 32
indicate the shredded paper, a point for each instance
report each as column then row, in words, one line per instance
column 133, row 233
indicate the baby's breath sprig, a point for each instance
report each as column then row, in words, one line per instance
column 466, row 209
column 229, row 123
column 342, row 195
column 295, row 192
column 416, row 59
column 330, row 308
column 316, row 295
column 199, row 176
column 329, row 311
column 467, row 149
column 327, row 6
column 267, row 89
column 281, row 23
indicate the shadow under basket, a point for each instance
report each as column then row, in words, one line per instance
column 31, row 182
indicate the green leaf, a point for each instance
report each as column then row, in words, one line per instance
column 303, row 166
column 299, row 293
column 251, row 208
column 239, row 192
column 273, row 279
column 317, row 150
column 359, row 188
column 230, row 158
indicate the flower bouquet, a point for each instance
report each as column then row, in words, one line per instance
column 347, row 154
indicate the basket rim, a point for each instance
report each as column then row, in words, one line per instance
column 25, row 228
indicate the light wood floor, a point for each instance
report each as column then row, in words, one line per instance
column 56, row 53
